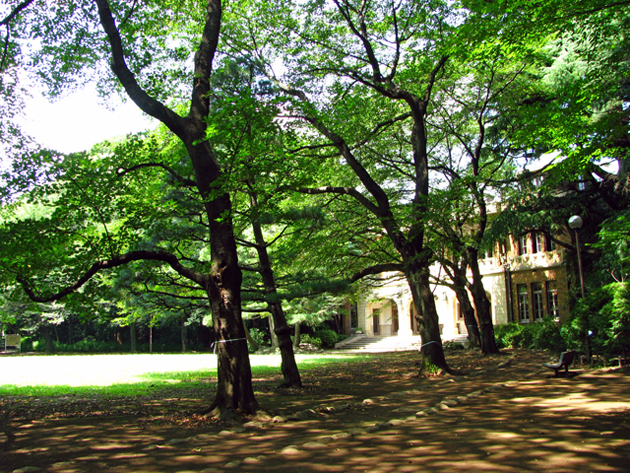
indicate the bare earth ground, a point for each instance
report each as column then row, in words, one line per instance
column 505, row 414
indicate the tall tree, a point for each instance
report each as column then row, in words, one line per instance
column 385, row 60
column 148, row 62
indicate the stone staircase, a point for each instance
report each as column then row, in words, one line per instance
column 365, row 344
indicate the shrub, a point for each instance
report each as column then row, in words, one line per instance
column 259, row 337
column 506, row 333
column 544, row 335
column 306, row 338
column 26, row 344
column 605, row 315
column 327, row 337
column 547, row 336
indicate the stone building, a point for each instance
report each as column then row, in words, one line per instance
column 525, row 280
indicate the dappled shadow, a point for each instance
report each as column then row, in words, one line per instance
column 539, row 423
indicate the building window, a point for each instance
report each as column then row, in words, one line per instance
column 552, row 299
column 523, row 303
column 537, row 299
column 523, row 245
column 538, row 241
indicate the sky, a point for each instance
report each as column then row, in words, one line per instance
column 79, row 121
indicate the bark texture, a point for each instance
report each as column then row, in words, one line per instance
column 223, row 284
column 282, row 330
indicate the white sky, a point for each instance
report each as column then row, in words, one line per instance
column 79, row 121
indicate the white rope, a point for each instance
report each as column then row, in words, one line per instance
column 428, row 343
column 214, row 347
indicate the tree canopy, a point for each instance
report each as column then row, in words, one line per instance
column 305, row 141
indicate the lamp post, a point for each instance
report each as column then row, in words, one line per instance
column 575, row 223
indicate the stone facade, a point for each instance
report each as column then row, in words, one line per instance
column 525, row 280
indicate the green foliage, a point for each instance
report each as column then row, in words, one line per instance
column 605, row 315
column 614, row 243
column 327, row 337
column 545, row 335
column 259, row 337
column 84, row 346
column 310, row 339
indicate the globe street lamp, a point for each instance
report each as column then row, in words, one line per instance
column 575, row 223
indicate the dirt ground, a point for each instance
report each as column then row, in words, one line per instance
column 506, row 413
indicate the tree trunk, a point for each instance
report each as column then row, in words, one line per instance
column 289, row 367
column 432, row 351
column 133, row 337
column 482, row 304
column 459, row 286
column 296, row 335
column 234, row 388
column 282, row 330
column 183, row 334
column 48, row 339
column 223, row 284
column 272, row 331
column 251, row 342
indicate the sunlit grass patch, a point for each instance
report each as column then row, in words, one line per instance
column 132, row 375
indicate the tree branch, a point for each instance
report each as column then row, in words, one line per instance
column 7, row 19
column 147, row 104
column 352, row 192
column 185, row 181
column 121, row 260
column 200, row 103
column 6, row 22
column 377, row 269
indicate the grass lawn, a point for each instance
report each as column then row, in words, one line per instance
column 128, row 374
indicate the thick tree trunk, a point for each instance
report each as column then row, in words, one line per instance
column 432, row 351
column 482, row 304
column 234, row 387
column 223, row 284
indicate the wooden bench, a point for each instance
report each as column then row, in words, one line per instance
column 565, row 360
column 12, row 340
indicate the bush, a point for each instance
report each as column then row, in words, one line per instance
column 544, row 335
column 259, row 337
column 547, row 336
column 505, row 334
column 306, row 338
column 26, row 344
column 605, row 315
column 327, row 337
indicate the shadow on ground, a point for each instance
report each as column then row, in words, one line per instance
column 506, row 414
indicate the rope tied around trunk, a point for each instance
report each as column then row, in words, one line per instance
column 214, row 344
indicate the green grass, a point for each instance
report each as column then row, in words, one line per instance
column 131, row 375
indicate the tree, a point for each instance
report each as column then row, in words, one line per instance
column 246, row 134
column 377, row 65
column 137, row 47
